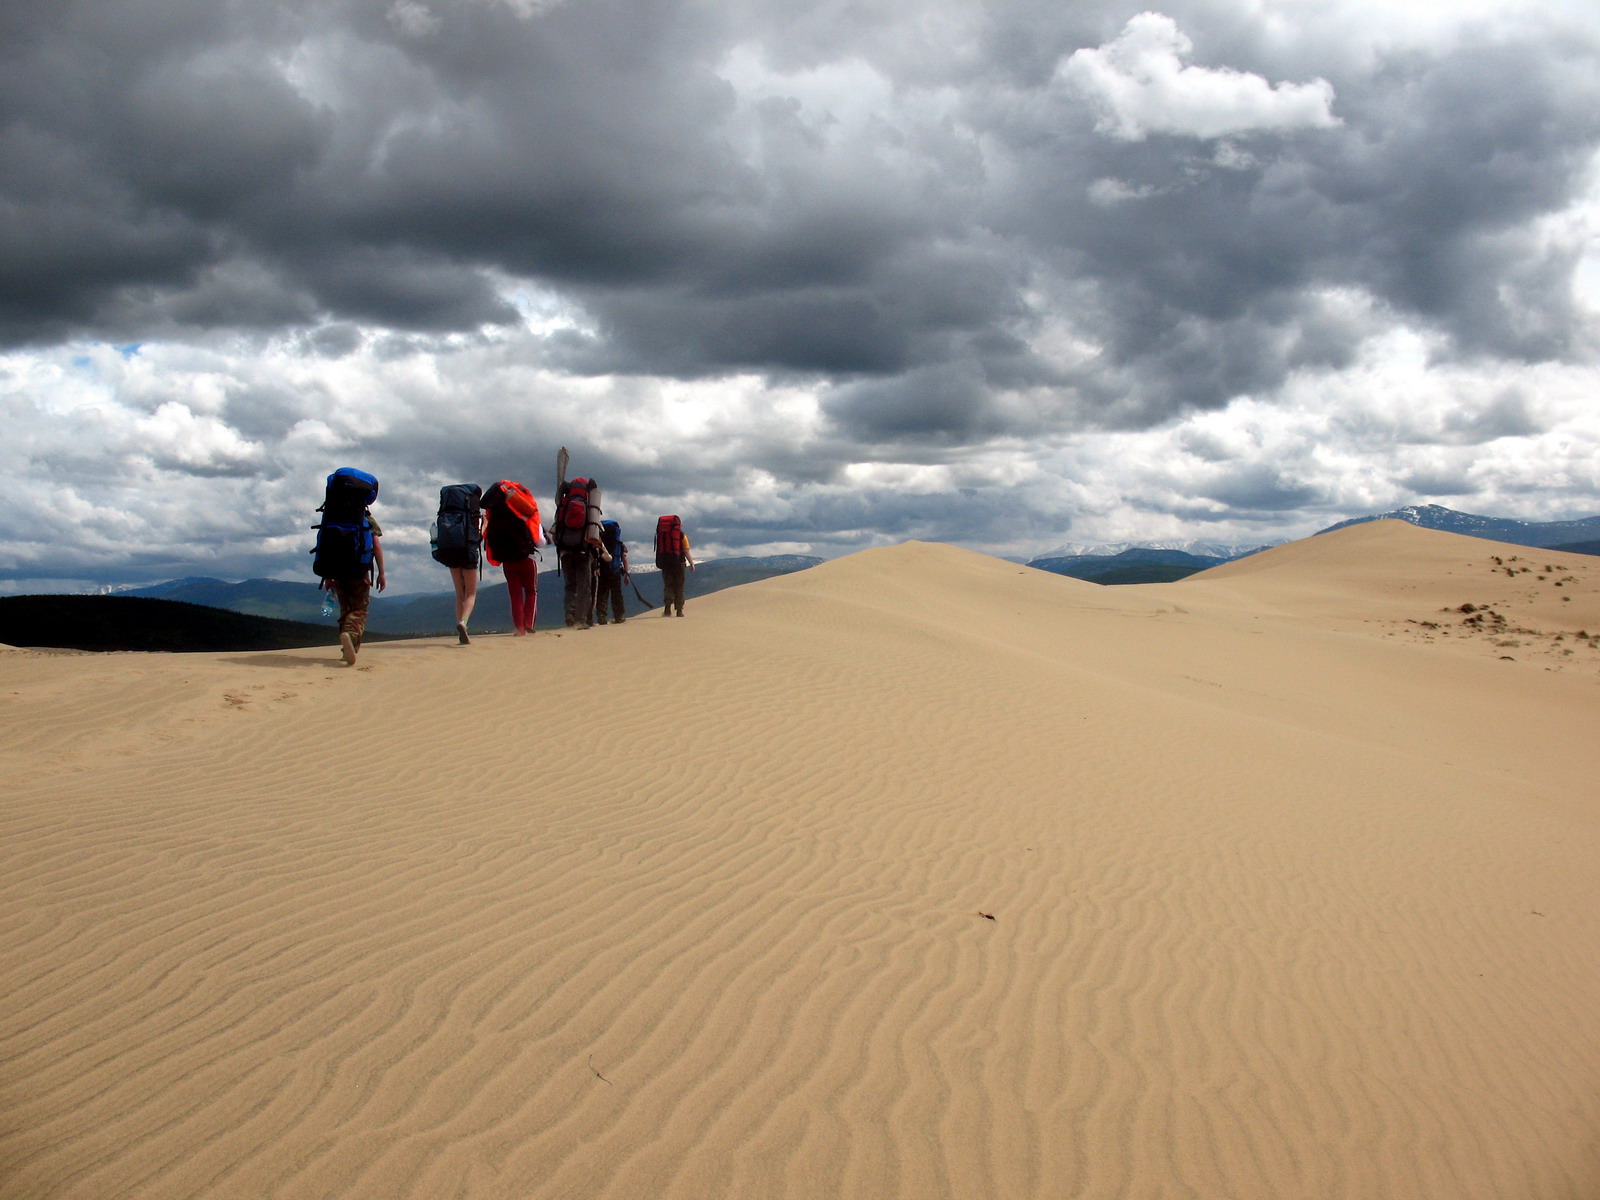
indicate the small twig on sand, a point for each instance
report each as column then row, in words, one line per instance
column 597, row 1074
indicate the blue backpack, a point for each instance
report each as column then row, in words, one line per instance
column 457, row 539
column 344, row 548
column 611, row 538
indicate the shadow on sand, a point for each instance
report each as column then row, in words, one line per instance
column 290, row 660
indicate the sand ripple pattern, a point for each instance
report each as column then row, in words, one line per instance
column 696, row 909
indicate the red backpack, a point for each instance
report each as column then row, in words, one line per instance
column 669, row 542
column 572, row 513
column 517, row 504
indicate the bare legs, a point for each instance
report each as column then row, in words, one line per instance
column 466, row 581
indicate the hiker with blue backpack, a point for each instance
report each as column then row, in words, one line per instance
column 349, row 551
column 609, row 576
column 458, row 544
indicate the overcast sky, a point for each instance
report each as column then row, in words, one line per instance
column 815, row 274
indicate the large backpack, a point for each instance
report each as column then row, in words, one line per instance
column 513, row 518
column 457, row 536
column 572, row 512
column 669, row 542
column 344, row 548
column 611, row 539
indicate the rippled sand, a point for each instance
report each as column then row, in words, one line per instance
column 918, row 874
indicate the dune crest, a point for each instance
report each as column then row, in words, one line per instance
column 1513, row 602
column 917, row 873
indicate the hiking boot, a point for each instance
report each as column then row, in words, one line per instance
column 619, row 620
column 461, row 633
column 347, row 648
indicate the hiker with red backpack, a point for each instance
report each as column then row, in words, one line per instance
column 672, row 556
column 512, row 536
column 576, row 533
column 349, row 550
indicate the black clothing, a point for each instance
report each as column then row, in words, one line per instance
column 577, row 573
column 672, row 586
column 609, row 589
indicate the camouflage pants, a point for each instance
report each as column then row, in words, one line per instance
column 354, row 596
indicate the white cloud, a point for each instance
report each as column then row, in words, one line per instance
column 1581, row 225
column 178, row 437
column 526, row 9
column 1393, row 429
column 1108, row 193
column 413, row 19
column 1140, row 86
column 138, row 445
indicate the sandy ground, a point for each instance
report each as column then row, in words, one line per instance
column 918, row 874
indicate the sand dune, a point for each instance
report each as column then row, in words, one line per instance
column 1287, row 899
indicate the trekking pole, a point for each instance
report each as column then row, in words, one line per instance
column 562, row 459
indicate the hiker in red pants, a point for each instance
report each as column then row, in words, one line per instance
column 512, row 537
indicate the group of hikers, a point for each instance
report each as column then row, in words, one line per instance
column 499, row 527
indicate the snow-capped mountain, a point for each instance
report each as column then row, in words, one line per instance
column 1499, row 529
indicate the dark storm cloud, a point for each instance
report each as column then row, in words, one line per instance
column 401, row 288
column 1433, row 208
column 867, row 515
column 1441, row 481
column 945, row 402
column 319, row 142
column 266, row 413
column 890, row 318
column 251, row 164
column 1208, row 265
column 1259, row 489
column 1506, row 416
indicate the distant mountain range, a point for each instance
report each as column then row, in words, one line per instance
column 1564, row 535
column 1221, row 551
column 1166, row 562
column 1139, row 564
column 423, row 613
column 275, row 598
